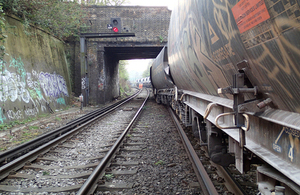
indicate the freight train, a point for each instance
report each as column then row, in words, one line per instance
column 231, row 70
column 143, row 82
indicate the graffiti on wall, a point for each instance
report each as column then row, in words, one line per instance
column 53, row 85
column 2, row 117
column 30, row 90
column 83, row 83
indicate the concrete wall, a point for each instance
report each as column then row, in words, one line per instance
column 34, row 74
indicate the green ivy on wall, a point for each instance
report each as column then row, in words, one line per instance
column 62, row 18
column 2, row 33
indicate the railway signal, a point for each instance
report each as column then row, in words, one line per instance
column 115, row 25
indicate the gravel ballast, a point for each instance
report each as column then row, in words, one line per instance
column 164, row 167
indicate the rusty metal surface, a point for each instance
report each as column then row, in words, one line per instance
column 159, row 75
column 207, row 39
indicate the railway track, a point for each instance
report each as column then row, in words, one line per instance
column 18, row 151
column 146, row 157
column 65, row 161
column 152, row 159
column 91, row 183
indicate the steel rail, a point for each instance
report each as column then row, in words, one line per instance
column 6, row 156
column 32, row 155
column 202, row 176
column 91, row 183
column 236, row 188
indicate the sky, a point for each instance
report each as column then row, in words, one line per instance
column 168, row 3
column 135, row 68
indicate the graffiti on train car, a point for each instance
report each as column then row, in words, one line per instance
column 284, row 66
column 199, row 75
column 271, row 49
column 284, row 73
column 223, row 53
column 204, row 36
column 229, row 50
column 224, row 20
column 294, row 142
column 211, row 47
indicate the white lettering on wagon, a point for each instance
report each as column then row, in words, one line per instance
column 293, row 136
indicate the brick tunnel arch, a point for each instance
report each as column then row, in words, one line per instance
column 102, row 69
column 99, row 77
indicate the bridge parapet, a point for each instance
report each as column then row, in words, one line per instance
column 150, row 24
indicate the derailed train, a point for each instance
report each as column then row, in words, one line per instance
column 231, row 70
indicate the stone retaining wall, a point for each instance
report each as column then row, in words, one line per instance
column 34, row 73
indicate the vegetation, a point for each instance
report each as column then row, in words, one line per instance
column 33, row 127
column 146, row 73
column 46, row 173
column 161, row 38
column 11, row 124
column 109, row 176
column 104, row 2
column 2, row 35
column 160, row 162
column 123, row 78
column 62, row 18
column 57, row 118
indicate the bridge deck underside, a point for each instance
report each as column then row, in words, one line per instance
column 127, row 53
